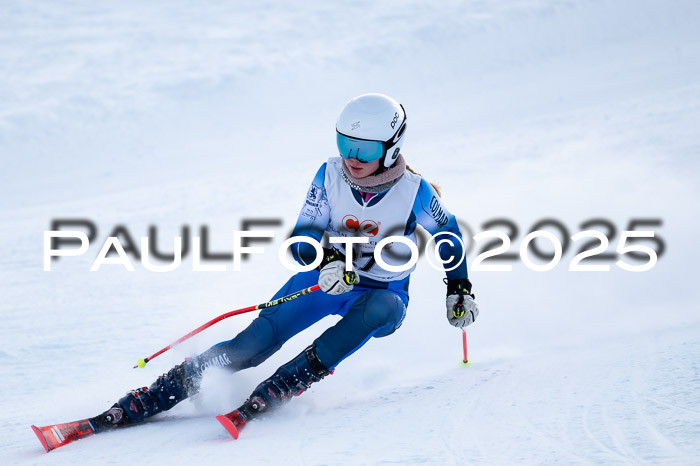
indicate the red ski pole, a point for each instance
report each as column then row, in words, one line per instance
column 142, row 362
column 465, row 360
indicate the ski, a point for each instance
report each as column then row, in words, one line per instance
column 233, row 422
column 57, row 435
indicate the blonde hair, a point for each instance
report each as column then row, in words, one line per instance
column 435, row 186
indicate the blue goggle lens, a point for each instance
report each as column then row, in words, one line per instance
column 360, row 149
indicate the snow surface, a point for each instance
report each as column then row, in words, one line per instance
column 207, row 113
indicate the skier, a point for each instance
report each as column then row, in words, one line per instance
column 355, row 195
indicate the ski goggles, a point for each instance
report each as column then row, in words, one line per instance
column 361, row 149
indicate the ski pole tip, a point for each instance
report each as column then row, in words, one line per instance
column 140, row 363
column 465, row 362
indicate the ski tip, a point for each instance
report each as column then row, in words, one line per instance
column 228, row 425
column 41, row 438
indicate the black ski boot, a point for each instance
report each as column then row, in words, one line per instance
column 169, row 389
column 291, row 379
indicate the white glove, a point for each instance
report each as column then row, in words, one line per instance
column 335, row 280
column 461, row 309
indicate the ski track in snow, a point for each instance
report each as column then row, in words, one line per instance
column 172, row 115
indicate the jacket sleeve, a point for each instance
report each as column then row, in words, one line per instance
column 313, row 218
column 429, row 212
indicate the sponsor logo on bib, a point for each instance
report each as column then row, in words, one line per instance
column 366, row 228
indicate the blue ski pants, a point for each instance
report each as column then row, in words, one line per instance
column 370, row 309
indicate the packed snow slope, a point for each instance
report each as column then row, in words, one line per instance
column 209, row 113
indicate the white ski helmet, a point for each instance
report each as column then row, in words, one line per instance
column 371, row 127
